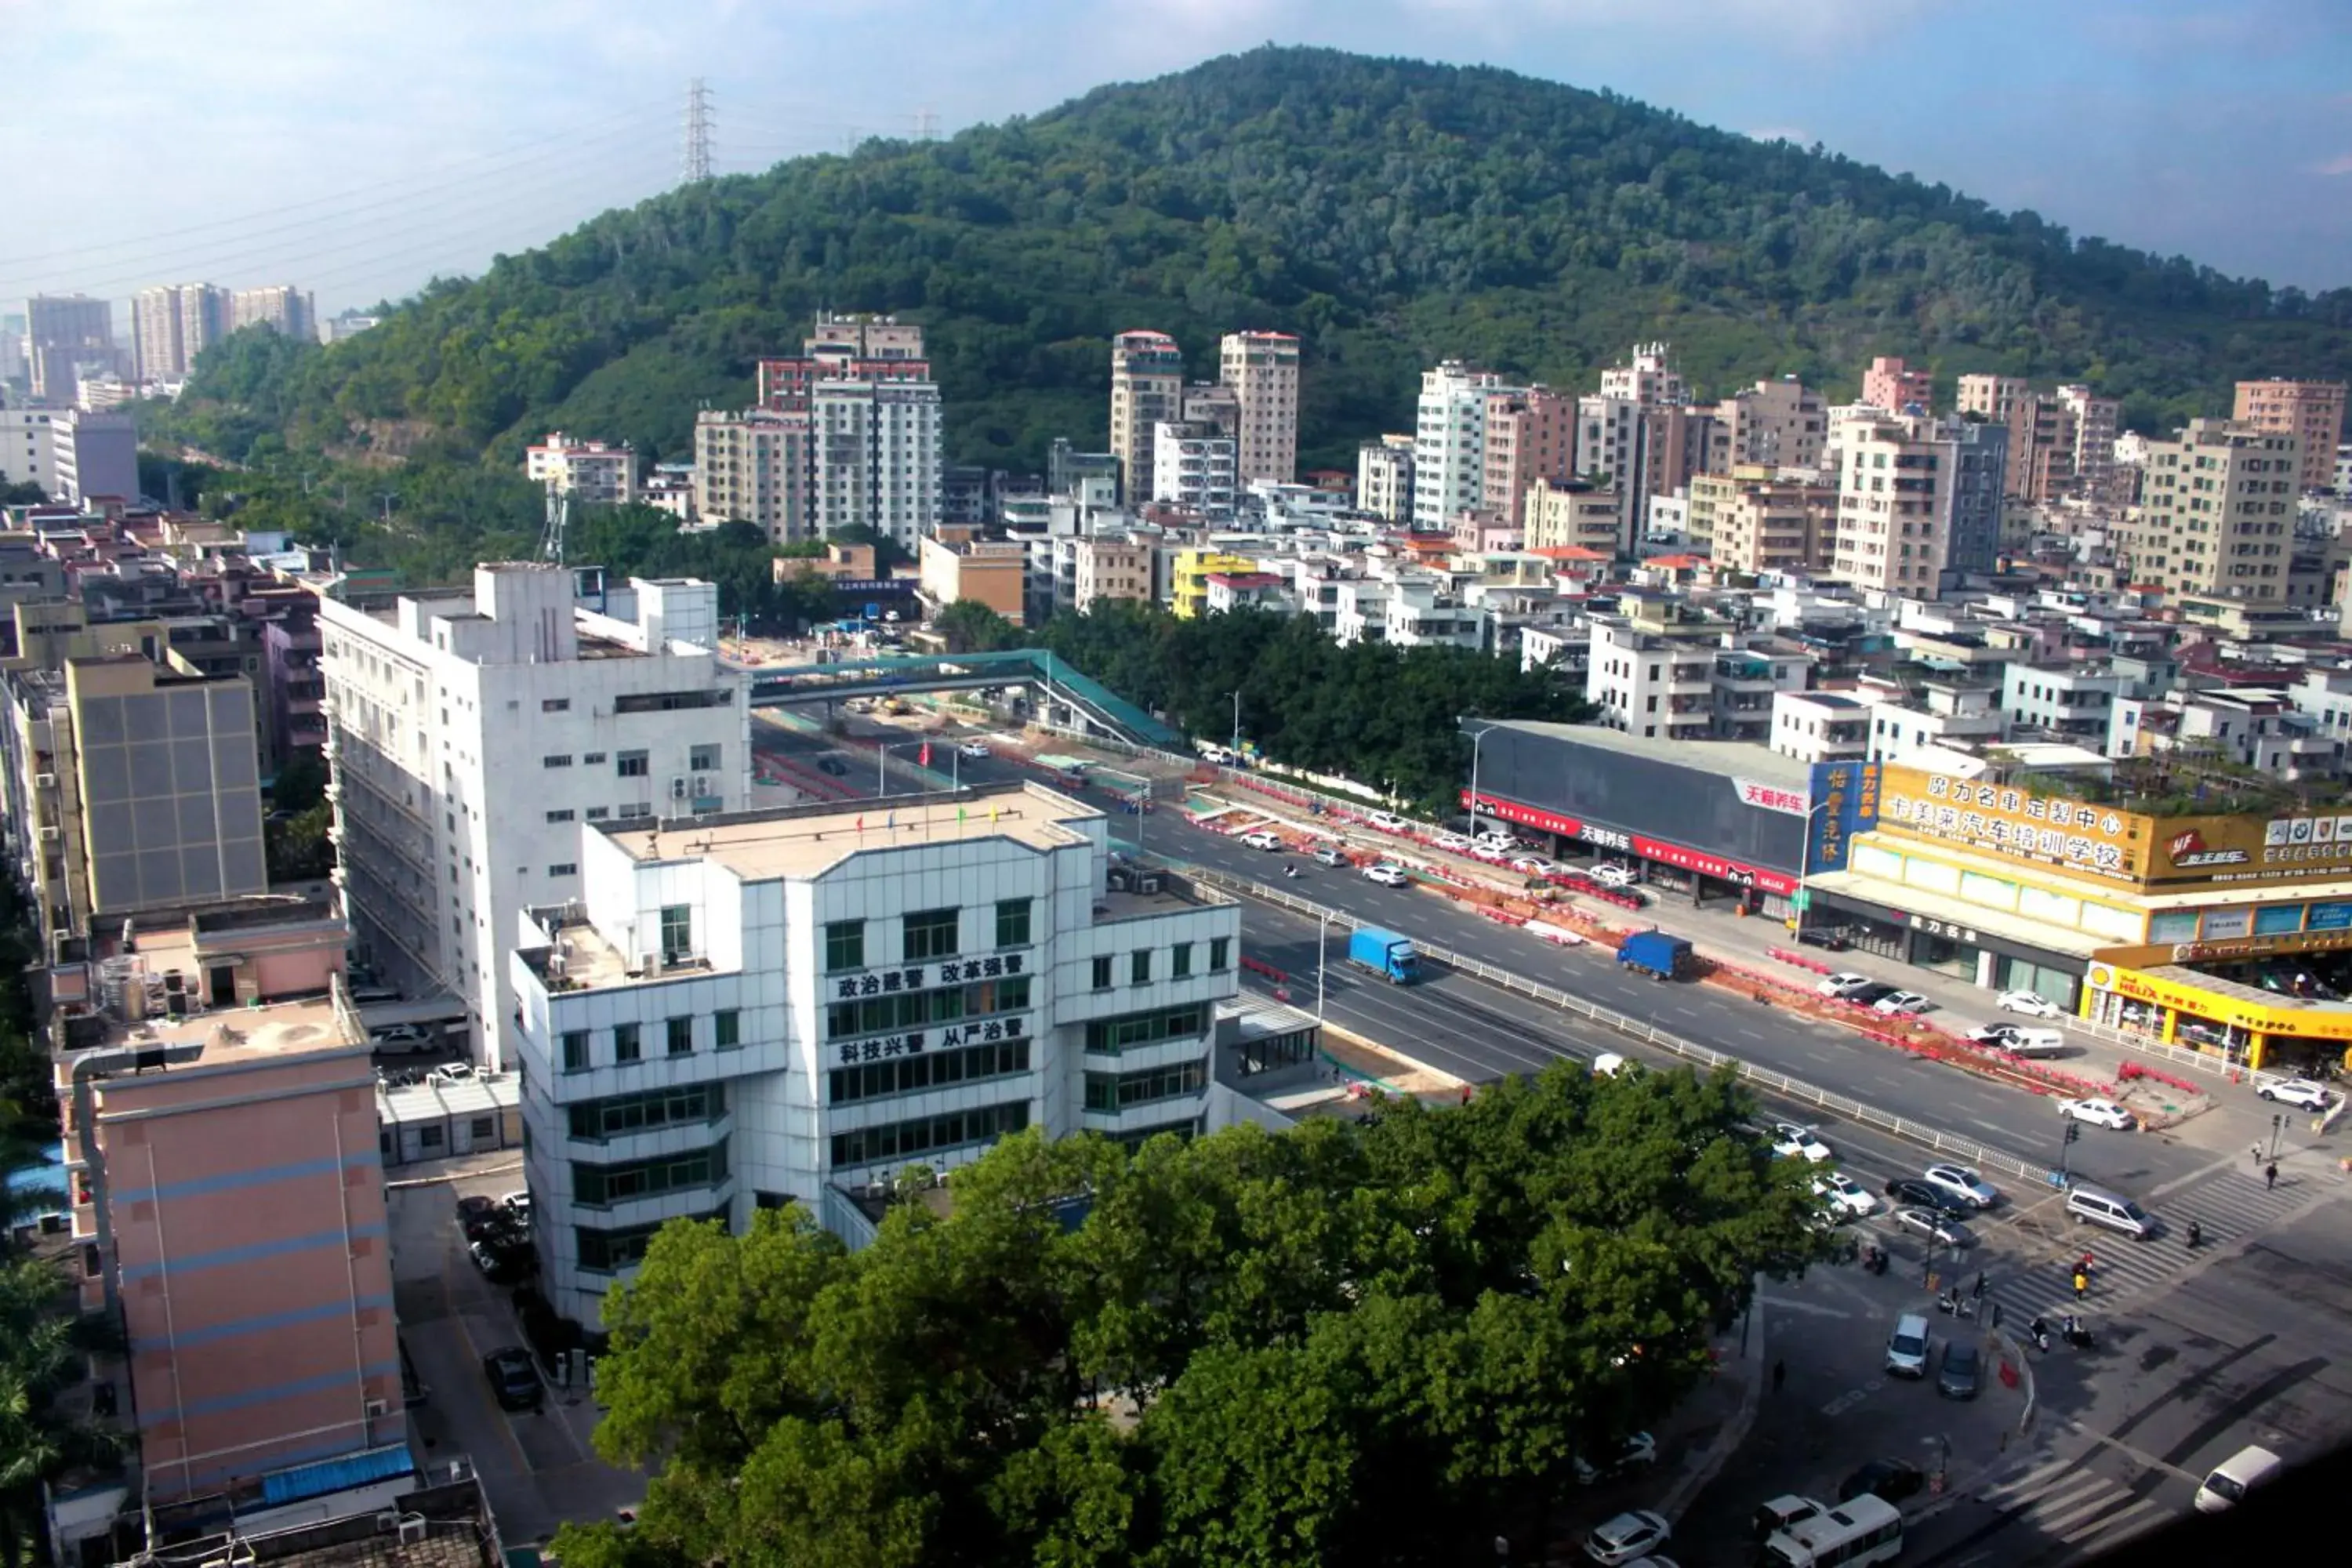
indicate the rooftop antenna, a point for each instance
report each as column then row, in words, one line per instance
column 694, row 165
column 559, row 515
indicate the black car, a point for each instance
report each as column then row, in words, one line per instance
column 478, row 1216
column 1963, row 1363
column 514, row 1379
column 1869, row 994
column 1827, row 938
column 1907, row 1192
column 1890, row 1479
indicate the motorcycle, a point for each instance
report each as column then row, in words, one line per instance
column 2076, row 1335
column 1873, row 1261
column 1289, row 871
column 2041, row 1335
column 2196, row 1236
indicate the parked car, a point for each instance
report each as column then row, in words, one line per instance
column 476, row 1217
column 1772, row 1518
column 1615, row 874
column 1939, row 1229
column 1843, row 984
column 1829, row 939
column 453, row 1072
column 1844, row 1197
column 833, row 766
column 1961, row 1369
column 1629, row 1535
column 1890, row 1480
column 1386, row 821
column 2099, row 1113
column 1532, row 866
column 503, row 1259
column 2032, row 1004
column 2300, row 1093
column 2020, row 1040
column 1261, row 839
column 1962, row 1182
column 1327, row 855
column 1900, row 1003
column 514, row 1378
column 1869, row 995
column 1791, row 1140
column 1452, row 843
column 517, row 1203
column 1386, row 875
column 1636, row 1452
column 1916, row 1193
column 973, row 748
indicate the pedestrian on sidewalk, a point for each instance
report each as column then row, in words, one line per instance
column 1981, row 1285
column 2258, row 1153
column 1780, row 1375
column 2269, row 1177
column 2081, row 1284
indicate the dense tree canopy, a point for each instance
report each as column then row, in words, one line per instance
column 1240, row 1350
column 1390, row 213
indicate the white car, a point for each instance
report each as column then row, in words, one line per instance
column 1386, row 875
column 1629, row 1535
column 1386, row 821
column 452, row 1072
column 1844, row 984
column 1454, row 842
column 1327, row 855
column 1844, row 1197
column 1963, row 1183
column 971, row 749
column 1612, row 874
column 1941, row 1229
column 2300, row 1093
column 2018, row 1040
column 1532, row 866
column 1790, row 1140
column 1901, row 1004
column 2031, row 1003
column 1261, row 839
column 2098, row 1113
column 1634, row 1452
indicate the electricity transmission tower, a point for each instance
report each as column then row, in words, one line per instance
column 695, row 161
column 559, row 518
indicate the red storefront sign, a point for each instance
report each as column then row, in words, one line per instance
column 1527, row 815
column 1737, row 872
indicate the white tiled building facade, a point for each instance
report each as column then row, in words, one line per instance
column 473, row 737
column 790, row 1005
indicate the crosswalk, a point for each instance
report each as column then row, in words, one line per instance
column 2077, row 1508
column 2229, row 1205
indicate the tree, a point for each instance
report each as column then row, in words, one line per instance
column 971, row 626
column 43, row 1346
column 1239, row 1348
column 23, row 493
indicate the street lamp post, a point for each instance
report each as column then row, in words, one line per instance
column 1238, row 724
column 1322, row 956
column 1478, row 739
column 1805, row 870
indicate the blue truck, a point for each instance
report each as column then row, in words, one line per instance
column 1655, row 954
column 1385, row 954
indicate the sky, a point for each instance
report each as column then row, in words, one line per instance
column 359, row 148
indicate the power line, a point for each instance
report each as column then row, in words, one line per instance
column 571, row 138
column 695, row 165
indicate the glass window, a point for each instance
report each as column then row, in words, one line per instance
column 1012, row 922
column 726, row 1030
column 1180, row 961
column 681, row 1036
column 702, row 759
column 930, row 934
column 677, row 932
column 575, row 1050
column 1102, row 972
column 1139, row 967
column 845, row 945
column 630, row 764
column 562, row 815
column 558, row 761
column 1221, row 955
column 625, row 1042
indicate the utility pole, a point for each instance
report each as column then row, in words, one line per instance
column 694, row 163
column 927, row 124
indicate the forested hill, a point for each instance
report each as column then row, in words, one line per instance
column 1391, row 212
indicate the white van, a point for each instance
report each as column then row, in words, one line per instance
column 1607, row 1063
column 2089, row 1206
column 2236, row 1476
column 1907, row 1347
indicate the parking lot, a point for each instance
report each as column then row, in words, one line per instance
column 538, row 1465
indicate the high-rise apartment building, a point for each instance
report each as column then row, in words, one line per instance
column 2217, row 512
column 1753, row 521
column 1193, row 467
column 1572, row 514
column 1530, row 435
column 1263, row 370
column 1892, row 384
column 1214, row 403
column 752, row 467
column 1781, row 424
column 2310, row 411
column 2044, row 432
column 280, row 307
column 1147, row 390
column 474, row 733
column 788, row 1004
column 1991, row 397
column 855, row 437
column 171, row 325
column 1650, row 378
column 1976, row 475
column 29, row 453
column 96, row 453
column 2093, row 422
column 64, row 332
column 600, row 473
column 1384, row 477
column 1894, row 507
column 1449, row 450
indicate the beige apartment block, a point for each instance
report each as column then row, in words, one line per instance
column 1894, row 508
column 1111, row 567
column 1384, row 477
column 2310, row 411
column 1571, row 512
column 1530, row 435
column 957, row 564
column 1263, row 370
column 1147, row 389
column 1757, row 522
column 1892, row 384
column 2217, row 512
column 1782, row 424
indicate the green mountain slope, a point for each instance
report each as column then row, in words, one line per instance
column 1390, row 213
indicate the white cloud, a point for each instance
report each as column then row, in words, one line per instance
column 2341, row 164
column 1801, row 137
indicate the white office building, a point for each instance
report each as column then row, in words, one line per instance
column 796, row 1004
column 600, row 473
column 473, row 735
column 875, row 457
column 1449, row 442
column 28, row 451
column 1193, row 467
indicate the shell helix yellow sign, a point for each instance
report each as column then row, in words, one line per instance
column 2308, row 1020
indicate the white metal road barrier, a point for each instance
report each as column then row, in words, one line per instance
column 1981, row 1155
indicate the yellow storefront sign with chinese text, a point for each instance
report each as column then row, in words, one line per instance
column 2316, row 1023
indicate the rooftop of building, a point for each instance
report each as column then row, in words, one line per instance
column 808, row 841
column 1742, row 759
column 447, row 1526
column 1834, row 701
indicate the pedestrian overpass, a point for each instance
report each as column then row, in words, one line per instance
column 897, row 675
